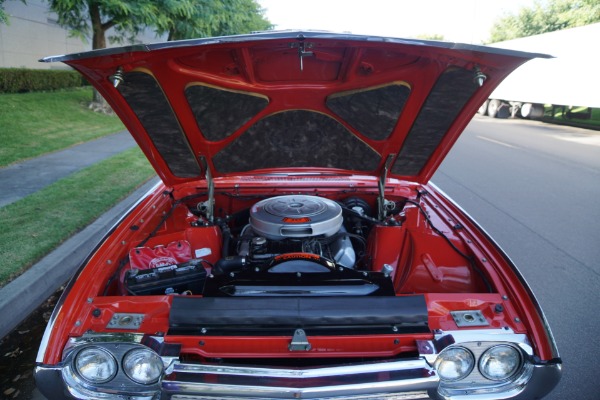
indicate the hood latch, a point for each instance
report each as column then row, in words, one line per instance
column 299, row 341
column 303, row 52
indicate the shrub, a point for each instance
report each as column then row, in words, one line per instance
column 17, row 80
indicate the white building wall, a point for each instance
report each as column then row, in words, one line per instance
column 33, row 33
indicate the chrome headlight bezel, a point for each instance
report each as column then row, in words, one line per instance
column 110, row 360
column 489, row 353
column 151, row 357
column 121, row 386
column 478, row 342
column 449, row 355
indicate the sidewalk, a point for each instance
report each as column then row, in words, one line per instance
column 27, row 177
column 24, row 294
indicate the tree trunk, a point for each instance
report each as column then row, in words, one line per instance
column 173, row 35
column 98, row 38
column 98, row 42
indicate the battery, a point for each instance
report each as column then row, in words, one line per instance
column 187, row 277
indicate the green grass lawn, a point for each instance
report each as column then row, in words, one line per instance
column 32, row 124
column 32, row 227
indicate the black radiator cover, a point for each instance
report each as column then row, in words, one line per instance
column 269, row 315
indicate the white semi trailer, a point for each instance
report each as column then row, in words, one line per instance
column 570, row 79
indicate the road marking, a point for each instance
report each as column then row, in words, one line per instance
column 593, row 140
column 497, row 142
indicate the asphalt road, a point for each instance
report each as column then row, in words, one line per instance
column 536, row 189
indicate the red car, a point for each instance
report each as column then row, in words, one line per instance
column 295, row 249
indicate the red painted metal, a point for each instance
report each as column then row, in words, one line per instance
column 422, row 261
column 371, row 346
column 272, row 71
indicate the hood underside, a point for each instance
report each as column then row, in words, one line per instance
column 296, row 101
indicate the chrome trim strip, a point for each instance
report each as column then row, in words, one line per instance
column 416, row 395
column 290, row 35
column 488, row 335
column 125, row 338
column 262, row 392
column 345, row 370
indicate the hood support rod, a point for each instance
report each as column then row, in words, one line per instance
column 382, row 203
column 209, row 204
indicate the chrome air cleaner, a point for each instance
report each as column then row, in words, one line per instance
column 296, row 216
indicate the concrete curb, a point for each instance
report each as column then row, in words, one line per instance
column 22, row 296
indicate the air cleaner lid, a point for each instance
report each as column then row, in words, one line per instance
column 295, row 216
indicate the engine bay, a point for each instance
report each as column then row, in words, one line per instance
column 298, row 245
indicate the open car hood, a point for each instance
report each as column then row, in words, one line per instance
column 296, row 102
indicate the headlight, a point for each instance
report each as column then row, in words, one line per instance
column 454, row 363
column 499, row 362
column 143, row 366
column 95, row 365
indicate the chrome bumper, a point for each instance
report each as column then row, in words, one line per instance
column 407, row 379
column 410, row 378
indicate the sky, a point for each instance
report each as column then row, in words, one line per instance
column 466, row 21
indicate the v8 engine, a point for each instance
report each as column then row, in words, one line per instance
column 300, row 223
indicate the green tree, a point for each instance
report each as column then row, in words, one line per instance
column 545, row 16
column 3, row 15
column 213, row 18
column 91, row 19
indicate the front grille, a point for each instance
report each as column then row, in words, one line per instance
column 417, row 395
column 406, row 379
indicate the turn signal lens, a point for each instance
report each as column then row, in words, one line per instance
column 500, row 362
column 143, row 366
column 95, row 365
column 454, row 363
